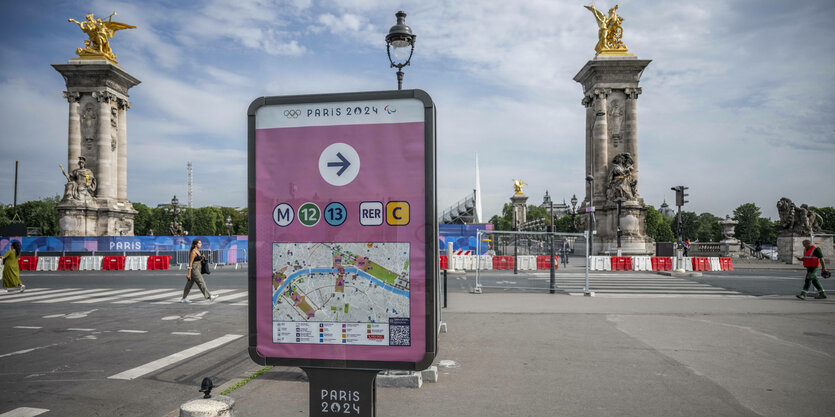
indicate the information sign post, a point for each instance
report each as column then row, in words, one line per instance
column 343, row 239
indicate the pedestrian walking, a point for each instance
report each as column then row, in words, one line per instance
column 812, row 260
column 564, row 251
column 11, row 269
column 193, row 275
column 686, row 246
column 758, row 247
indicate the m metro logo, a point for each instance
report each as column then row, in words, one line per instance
column 397, row 213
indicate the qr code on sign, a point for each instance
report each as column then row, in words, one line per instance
column 399, row 332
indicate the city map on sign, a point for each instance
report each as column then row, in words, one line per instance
column 325, row 284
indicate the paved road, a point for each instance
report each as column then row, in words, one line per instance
column 119, row 343
column 101, row 343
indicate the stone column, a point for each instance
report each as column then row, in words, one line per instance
column 74, row 131
column 600, row 131
column 588, row 103
column 122, row 152
column 103, row 148
column 630, row 123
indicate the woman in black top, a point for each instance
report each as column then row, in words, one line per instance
column 193, row 275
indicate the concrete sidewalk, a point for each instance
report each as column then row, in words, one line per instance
column 558, row 355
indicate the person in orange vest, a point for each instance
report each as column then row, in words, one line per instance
column 812, row 260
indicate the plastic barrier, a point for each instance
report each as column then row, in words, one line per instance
column 726, row 264
column 69, row 263
column 469, row 262
column 47, row 263
column 503, row 262
column 485, row 262
column 136, row 263
column 113, row 263
column 443, row 262
column 641, row 263
column 28, row 263
column 542, row 262
column 90, row 263
column 714, row 264
column 526, row 263
column 160, row 262
column 700, row 263
column 621, row 263
column 688, row 263
column 661, row 263
column 456, row 262
column 600, row 263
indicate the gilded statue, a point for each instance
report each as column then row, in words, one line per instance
column 609, row 33
column 517, row 185
column 100, row 32
column 80, row 181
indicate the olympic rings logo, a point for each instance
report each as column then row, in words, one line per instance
column 292, row 114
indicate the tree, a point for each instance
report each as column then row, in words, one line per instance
column 747, row 215
column 709, row 228
column 142, row 219
column 563, row 224
column 658, row 228
column 206, row 221
column 767, row 230
column 5, row 216
column 828, row 215
column 689, row 225
column 41, row 213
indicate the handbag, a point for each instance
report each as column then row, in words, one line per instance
column 204, row 267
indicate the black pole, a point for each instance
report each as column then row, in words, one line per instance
column 445, row 287
column 399, row 79
column 14, row 216
column 515, row 242
column 620, row 232
column 553, row 287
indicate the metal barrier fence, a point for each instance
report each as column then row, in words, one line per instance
column 219, row 257
column 519, row 250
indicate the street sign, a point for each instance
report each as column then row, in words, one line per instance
column 343, row 230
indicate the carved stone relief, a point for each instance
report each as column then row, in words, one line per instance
column 615, row 112
column 89, row 124
column 114, row 125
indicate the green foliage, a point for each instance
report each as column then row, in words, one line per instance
column 689, row 225
column 208, row 221
column 142, row 219
column 658, row 227
column 767, row 230
column 564, row 225
column 41, row 213
column 5, row 216
column 828, row 214
column 747, row 215
column 709, row 229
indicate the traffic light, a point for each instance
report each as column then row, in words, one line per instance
column 680, row 195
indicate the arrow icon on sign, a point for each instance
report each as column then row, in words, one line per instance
column 344, row 164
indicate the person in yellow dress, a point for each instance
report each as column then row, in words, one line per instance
column 11, row 270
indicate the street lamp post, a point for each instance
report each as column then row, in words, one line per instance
column 402, row 40
column 175, row 227
column 229, row 225
column 590, row 233
column 620, row 232
column 573, row 213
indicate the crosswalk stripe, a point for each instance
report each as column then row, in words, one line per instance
column 240, row 304
column 235, row 296
column 78, row 297
column 174, row 358
column 40, row 296
column 177, row 300
column 14, row 293
column 123, row 295
column 25, row 412
column 149, row 297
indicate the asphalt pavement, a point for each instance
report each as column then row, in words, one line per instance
column 731, row 343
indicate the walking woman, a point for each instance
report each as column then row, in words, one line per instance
column 11, row 270
column 193, row 275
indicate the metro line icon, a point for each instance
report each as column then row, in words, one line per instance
column 283, row 214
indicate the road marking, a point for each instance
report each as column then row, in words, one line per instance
column 186, row 333
column 187, row 317
column 245, row 303
column 77, row 329
column 33, row 290
column 79, row 297
column 235, row 296
column 76, row 315
column 177, row 300
column 28, row 327
column 25, row 412
column 133, row 331
column 174, row 358
column 126, row 294
column 37, row 296
column 20, row 352
column 149, row 297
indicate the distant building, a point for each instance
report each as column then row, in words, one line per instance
column 560, row 209
column 666, row 211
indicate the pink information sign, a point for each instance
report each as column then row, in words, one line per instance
column 342, row 230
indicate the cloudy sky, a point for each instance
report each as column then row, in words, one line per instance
column 738, row 102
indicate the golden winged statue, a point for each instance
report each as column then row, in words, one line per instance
column 100, row 32
column 517, row 185
column 609, row 33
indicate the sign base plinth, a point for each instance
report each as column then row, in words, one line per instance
column 342, row 391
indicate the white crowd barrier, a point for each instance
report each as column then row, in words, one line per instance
column 47, row 263
column 600, row 263
column 714, row 264
column 641, row 263
column 526, row 263
column 688, row 263
column 90, row 263
column 485, row 262
column 136, row 263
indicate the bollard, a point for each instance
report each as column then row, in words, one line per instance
column 217, row 406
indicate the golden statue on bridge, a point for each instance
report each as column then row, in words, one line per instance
column 100, row 32
column 517, row 185
column 609, row 33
